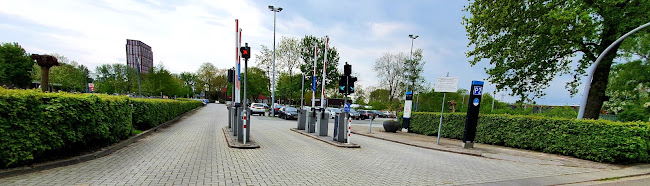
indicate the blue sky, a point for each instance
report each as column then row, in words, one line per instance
column 184, row 34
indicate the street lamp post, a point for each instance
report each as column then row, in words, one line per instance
column 275, row 10
column 410, row 59
column 583, row 104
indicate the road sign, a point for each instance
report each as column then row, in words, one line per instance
column 475, row 102
column 446, row 84
column 477, row 91
column 313, row 84
column 347, row 107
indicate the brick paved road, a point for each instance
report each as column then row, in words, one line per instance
column 194, row 152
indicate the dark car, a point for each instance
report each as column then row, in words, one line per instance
column 288, row 113
column 366, row 114
column 276, row 108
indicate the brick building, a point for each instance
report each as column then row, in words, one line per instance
column 137, row 49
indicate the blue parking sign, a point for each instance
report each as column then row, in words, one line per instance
column 478, row 90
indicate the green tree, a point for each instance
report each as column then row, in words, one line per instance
column 160, row 80
column 257, row 84
column 190, row 81
column 528, row 43
column 307, row 67
column 117, row 79
column 390, row 71
column 413, row 71
column 288, row 87
column 15, row 66
column 71, row 75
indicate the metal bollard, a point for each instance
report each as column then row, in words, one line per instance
column 322, row 122
column 302, row 116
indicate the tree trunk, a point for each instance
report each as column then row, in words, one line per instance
column 601, row 75
column 45, row 78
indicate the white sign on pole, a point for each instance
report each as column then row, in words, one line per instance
column 446, row 84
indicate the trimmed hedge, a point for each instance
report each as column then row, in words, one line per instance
column 35, row 125
column 597, row 140
column 149, row 113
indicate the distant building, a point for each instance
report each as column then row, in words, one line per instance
column 137, row 49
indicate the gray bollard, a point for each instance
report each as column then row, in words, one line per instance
column 341, row 131
column 322, row 121
column 302, row 116
column 311, row 121
column 229, row 117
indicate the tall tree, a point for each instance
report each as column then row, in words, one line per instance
column 15, row 66
column 190, row 80
column 290, row 51
column 528, row 43
column 116, row 78
column 307, row 67
column 207, row 75
column 390, row 70
column 413, row 70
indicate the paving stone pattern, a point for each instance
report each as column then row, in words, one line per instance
column 194, row 152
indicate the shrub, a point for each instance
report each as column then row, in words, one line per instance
column 597, row 140
column 149, row 113
column 36, row 125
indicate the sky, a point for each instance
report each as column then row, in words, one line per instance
column 185, row 34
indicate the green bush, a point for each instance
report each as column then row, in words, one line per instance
column 149, row 113
column 35, row 125
column 597, row 140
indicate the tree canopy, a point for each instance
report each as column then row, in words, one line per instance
column 528, row 43
column 15, row 66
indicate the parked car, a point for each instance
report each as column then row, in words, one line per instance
column 288, row 112
column 354, row 114
column 332, row 112
column 364, row 114
column 389, row 114
column 276, row 108
column 258, row 108
column 379, row 114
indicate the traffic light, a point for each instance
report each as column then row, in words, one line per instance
column 245, row 51
column 346, row 84
column 231, row 75
column 351, row 84
column 347, row 69
column 342, row 84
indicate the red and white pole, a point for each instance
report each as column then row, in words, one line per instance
column 349, row 128
column 324, row 75
column 237, row 65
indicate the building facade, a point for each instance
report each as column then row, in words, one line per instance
column 139, row 50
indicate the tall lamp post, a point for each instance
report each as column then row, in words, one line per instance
column 408, row 78
column 583, row 104
column 274, row 10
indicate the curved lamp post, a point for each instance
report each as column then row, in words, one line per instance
column 595, row 65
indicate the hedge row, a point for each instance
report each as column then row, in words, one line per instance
column 36, row 125
column 149, row 113
column 597, row 140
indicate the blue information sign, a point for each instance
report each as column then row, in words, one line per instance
column 313, row 84
column 478, row 90
column 347, row 107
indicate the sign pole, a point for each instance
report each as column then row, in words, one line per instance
column 444, row 85
column 444, row 95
